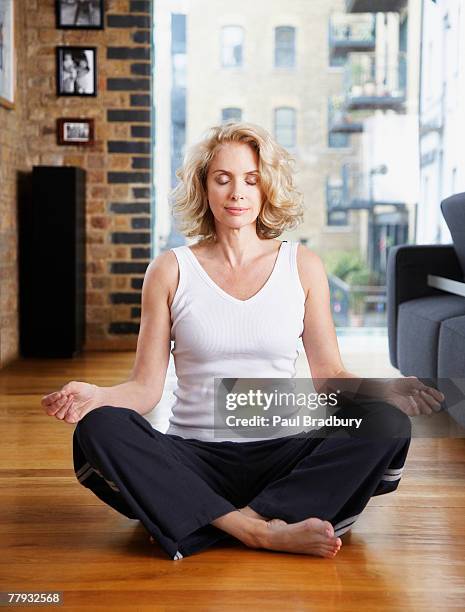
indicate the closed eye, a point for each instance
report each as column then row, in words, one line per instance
column 248, row 182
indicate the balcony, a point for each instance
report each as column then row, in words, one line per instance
column 342, row 122
column 370, row 82
column 350, row 33
column 348, row 193
column 375, row 6
column 352, row 192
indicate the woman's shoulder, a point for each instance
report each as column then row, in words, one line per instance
column 164, row 263
column 163, row 272
column 307, row 257
column 311, row 268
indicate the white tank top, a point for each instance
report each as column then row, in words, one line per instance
column 218, row 335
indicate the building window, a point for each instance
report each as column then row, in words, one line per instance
column 338, row 140
column 285, row 126
column 178, row 92
column 231, row 114
column 336, row 212
column 337, row 61
column 337, row 217
column 284, row 47
column 232, row 43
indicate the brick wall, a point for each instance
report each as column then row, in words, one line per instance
column 13, row 159
column 118, row 165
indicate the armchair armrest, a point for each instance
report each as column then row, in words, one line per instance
column 407, row 269
column 446, row 284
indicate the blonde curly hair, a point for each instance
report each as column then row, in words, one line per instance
column 282, row 208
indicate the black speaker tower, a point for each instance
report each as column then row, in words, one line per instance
column 52, row 263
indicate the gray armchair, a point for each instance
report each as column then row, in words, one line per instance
column 426, row 303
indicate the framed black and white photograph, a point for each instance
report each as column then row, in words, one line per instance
column 76, row 71
column 75, row 131
column 80, row 14
column 7, row 54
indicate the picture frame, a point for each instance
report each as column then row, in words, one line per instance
column 7, row 54
column 76, row 71
column 80, row 14
column 77, row 131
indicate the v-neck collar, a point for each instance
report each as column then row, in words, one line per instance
column 221, row 291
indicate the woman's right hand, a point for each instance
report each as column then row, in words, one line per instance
column 72, row 402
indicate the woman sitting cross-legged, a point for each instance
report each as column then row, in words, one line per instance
column 236, row 304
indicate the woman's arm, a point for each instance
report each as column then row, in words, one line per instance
column 319, row 335
column 144, row 389
column 154, row 341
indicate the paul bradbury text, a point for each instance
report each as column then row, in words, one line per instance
column 305, row 420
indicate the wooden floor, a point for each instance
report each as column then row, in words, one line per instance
column 406, row 552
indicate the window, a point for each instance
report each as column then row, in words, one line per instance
column 338, row 140
column 284, row 47
column 336, row 115
column 284, row 126
column 231, row 114
column 336, row 211
column 232, row 42
column 336, row 60
column 337, row 217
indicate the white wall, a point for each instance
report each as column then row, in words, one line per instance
column 442, row 106
column 392, row 139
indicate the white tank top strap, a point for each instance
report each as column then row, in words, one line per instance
column 293, row 248
column 184, row 263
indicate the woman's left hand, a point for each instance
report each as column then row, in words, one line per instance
column 412, row 396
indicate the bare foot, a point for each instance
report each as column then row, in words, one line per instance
column 311, row 537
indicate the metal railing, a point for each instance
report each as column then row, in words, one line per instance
column 350, row 29
column 341, row 120
column 370, row 310
column 352, row 188
column 370, row 75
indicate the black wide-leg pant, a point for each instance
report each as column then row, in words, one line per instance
column 176, row 487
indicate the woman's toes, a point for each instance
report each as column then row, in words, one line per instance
column 333, row 554
column 333, row 547
column 333, row 550
column 329, row 554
